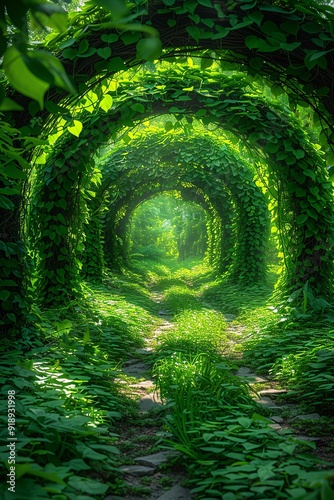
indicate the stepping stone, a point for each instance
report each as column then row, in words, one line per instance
column 145, row 350
column 247, row 373
column 243, row 371
column 272, row 392
column 156, row 459
column 137, row 470
column 277, row 420
column 276, row 427
column 146, row 384
column 132, row 361
column 266, row 402
column 229, row 317
column 137, row 368
column 306, row 438
column 176, row 493
column 256, row 379
column 163, row 312
column 166, row 326
column 149, row 402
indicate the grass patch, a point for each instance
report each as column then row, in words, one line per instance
column 194, row 332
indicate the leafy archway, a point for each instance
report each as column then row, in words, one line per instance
column 262, row 39
column 296, row 170
column 211, row 166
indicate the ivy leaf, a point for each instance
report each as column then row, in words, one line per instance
column 6, row 203
column 169, row 126
column 301, row 219
column 113, row 37
column 138, row 107
column 50, row 14
column 327, row 493
column 265, row 472
column 106, row 103
column 317, row 55
column 194, row 32
column 87, row 485
column 206, row 3
column 299, row 153
column 76, row 128
column 256, row 17
column 206, row 63
column 64, row 326
column 116, row 64
column 13, row 172
column 149, row 49
column 21, row 78
column 4, row 294
column 247, row 6
column 117, row 8
column 8, row 104
column 104, row 52
column 290, row 46
column 252, row 41
column 56, row 68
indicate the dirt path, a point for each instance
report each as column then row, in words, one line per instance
column 151, row 473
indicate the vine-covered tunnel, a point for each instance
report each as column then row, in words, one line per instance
column 104, row 106
column 137, row 138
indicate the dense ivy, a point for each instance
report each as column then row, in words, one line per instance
column 219, row 216
column 297, row 175
column 290, row 45
column 208, row 164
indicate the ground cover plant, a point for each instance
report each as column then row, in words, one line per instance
column 212, row 418
column 67, row 401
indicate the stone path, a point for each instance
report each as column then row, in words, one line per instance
column 267, row 402
column 149, row 465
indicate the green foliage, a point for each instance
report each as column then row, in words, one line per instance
column 229, row 445
column 232, row 452
column 177, row 228
column 68, row 403
column 64, row 410
column 236, row 177
column 282, row 43
column 309, row 373
column 248, row 265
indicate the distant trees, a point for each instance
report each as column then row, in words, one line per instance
column 168, row 227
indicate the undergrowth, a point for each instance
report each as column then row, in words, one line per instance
column 67, row 401
column 69, row 405
column 232, row 451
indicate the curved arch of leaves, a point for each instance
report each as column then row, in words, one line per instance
column 264, row 39
column 211, row 167
column 297, row 172
column 291, row 45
